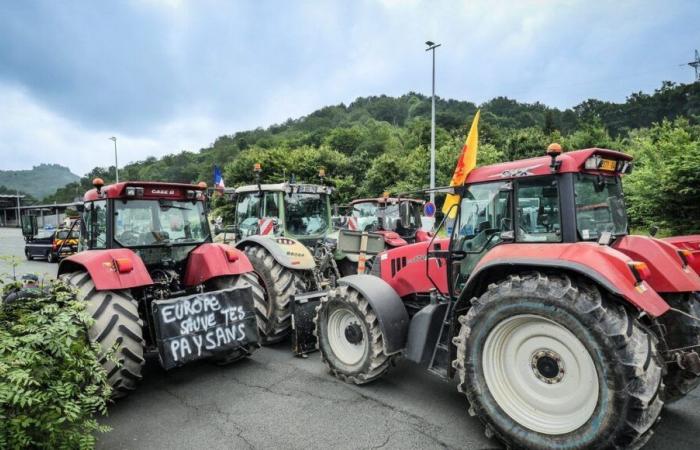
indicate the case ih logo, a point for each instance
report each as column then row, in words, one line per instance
column 163, row 191
column 515, row 173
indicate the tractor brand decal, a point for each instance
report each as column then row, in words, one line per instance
column 203, row 325
column 163, row 192
column 297, row 254
column 415, row 259
column 515, row 173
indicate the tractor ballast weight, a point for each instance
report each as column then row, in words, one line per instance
column 153, row 281
column 561, row 328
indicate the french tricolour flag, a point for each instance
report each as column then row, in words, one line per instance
column 218, row 178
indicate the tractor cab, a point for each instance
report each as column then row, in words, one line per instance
column 387, row 214
column 298, row 211
column 162, row 223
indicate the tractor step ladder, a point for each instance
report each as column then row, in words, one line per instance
column 441, row 354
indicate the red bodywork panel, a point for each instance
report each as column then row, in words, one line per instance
column 692, row 243
column 404, row 268
column 392, row 238
column 606, row 263
column 102, row 267
column 151, row 190
column 423, row 236
column 570, row 162
column 667, row 272
column 211, row 260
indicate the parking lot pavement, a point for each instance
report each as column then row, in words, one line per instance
column 12, row 252
column 276, row 400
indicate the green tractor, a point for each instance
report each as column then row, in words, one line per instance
column 284, row 230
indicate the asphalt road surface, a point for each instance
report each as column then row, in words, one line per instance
column 275, row 400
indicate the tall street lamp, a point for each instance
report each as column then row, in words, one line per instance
column 116, row 164
column 432, row 46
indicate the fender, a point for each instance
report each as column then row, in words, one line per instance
column 602, row 264
column 404, row 268
column 289, row 252
column 102, row 267
column 387, row 305
column 690, row 242
column 212, row 260
column 667, row 271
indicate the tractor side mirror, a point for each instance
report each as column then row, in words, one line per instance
column 653, row 230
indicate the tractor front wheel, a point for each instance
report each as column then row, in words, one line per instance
column 279, row 284
column 238, row 281
column 349, row 337
column 117, row 326
column 550, row 363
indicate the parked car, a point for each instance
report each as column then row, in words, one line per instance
column 48, row 243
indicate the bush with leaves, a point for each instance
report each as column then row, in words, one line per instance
column 51, row 383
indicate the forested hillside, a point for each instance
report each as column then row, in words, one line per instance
column 382, row 143
column 40, row 181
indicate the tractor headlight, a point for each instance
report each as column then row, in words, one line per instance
column 133, row 191
column 592, row 163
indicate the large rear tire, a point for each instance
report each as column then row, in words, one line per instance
column 349, row 337
column 117, row 325
column 680, row 332
column 242, row 281
column 549, row 363
column 279, row 285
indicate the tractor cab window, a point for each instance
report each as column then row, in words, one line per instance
column 537, row 205
column 306, row 214
column 366, row 215
column 600, row 206
column 158, row 222
column 484, row 211
column 248, row 213
column 272, row 208
column 96, row 224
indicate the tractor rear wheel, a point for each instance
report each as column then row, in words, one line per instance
column 117, row 325
column 550, row 363
column 243, row 280
column 279, row 285
column 680, row 332
column 349, row 337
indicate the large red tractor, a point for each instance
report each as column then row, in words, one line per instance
column 561, row 328
column 154, row 282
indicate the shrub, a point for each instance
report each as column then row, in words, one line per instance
column 51, row 382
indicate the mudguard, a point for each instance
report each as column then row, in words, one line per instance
column 290, row 253
column 602, row 264
column 667, row 271
column 102, row 267
column 211, row 260
column 691, row 243
column 387, row 305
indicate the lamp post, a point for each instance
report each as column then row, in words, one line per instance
column 116, row 163
column 432, row 46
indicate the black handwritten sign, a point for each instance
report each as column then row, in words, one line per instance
column 204, row 325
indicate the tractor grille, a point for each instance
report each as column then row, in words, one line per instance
column 397, row 264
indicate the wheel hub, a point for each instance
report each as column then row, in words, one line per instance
column 353, row 333
column 547, row 366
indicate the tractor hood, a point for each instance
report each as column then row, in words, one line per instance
column 668, row 273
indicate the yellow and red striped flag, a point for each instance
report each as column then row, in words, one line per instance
column 465, row 163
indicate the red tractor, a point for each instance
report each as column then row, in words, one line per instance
column 563, row 330
column 154, row 282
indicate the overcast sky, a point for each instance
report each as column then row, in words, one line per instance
column 171, row 75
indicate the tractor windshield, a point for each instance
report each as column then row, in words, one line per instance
column 159, row 222
column 600, row 206
column 373, row 215
column 307, row 214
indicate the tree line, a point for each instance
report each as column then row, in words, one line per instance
column 382, row 143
